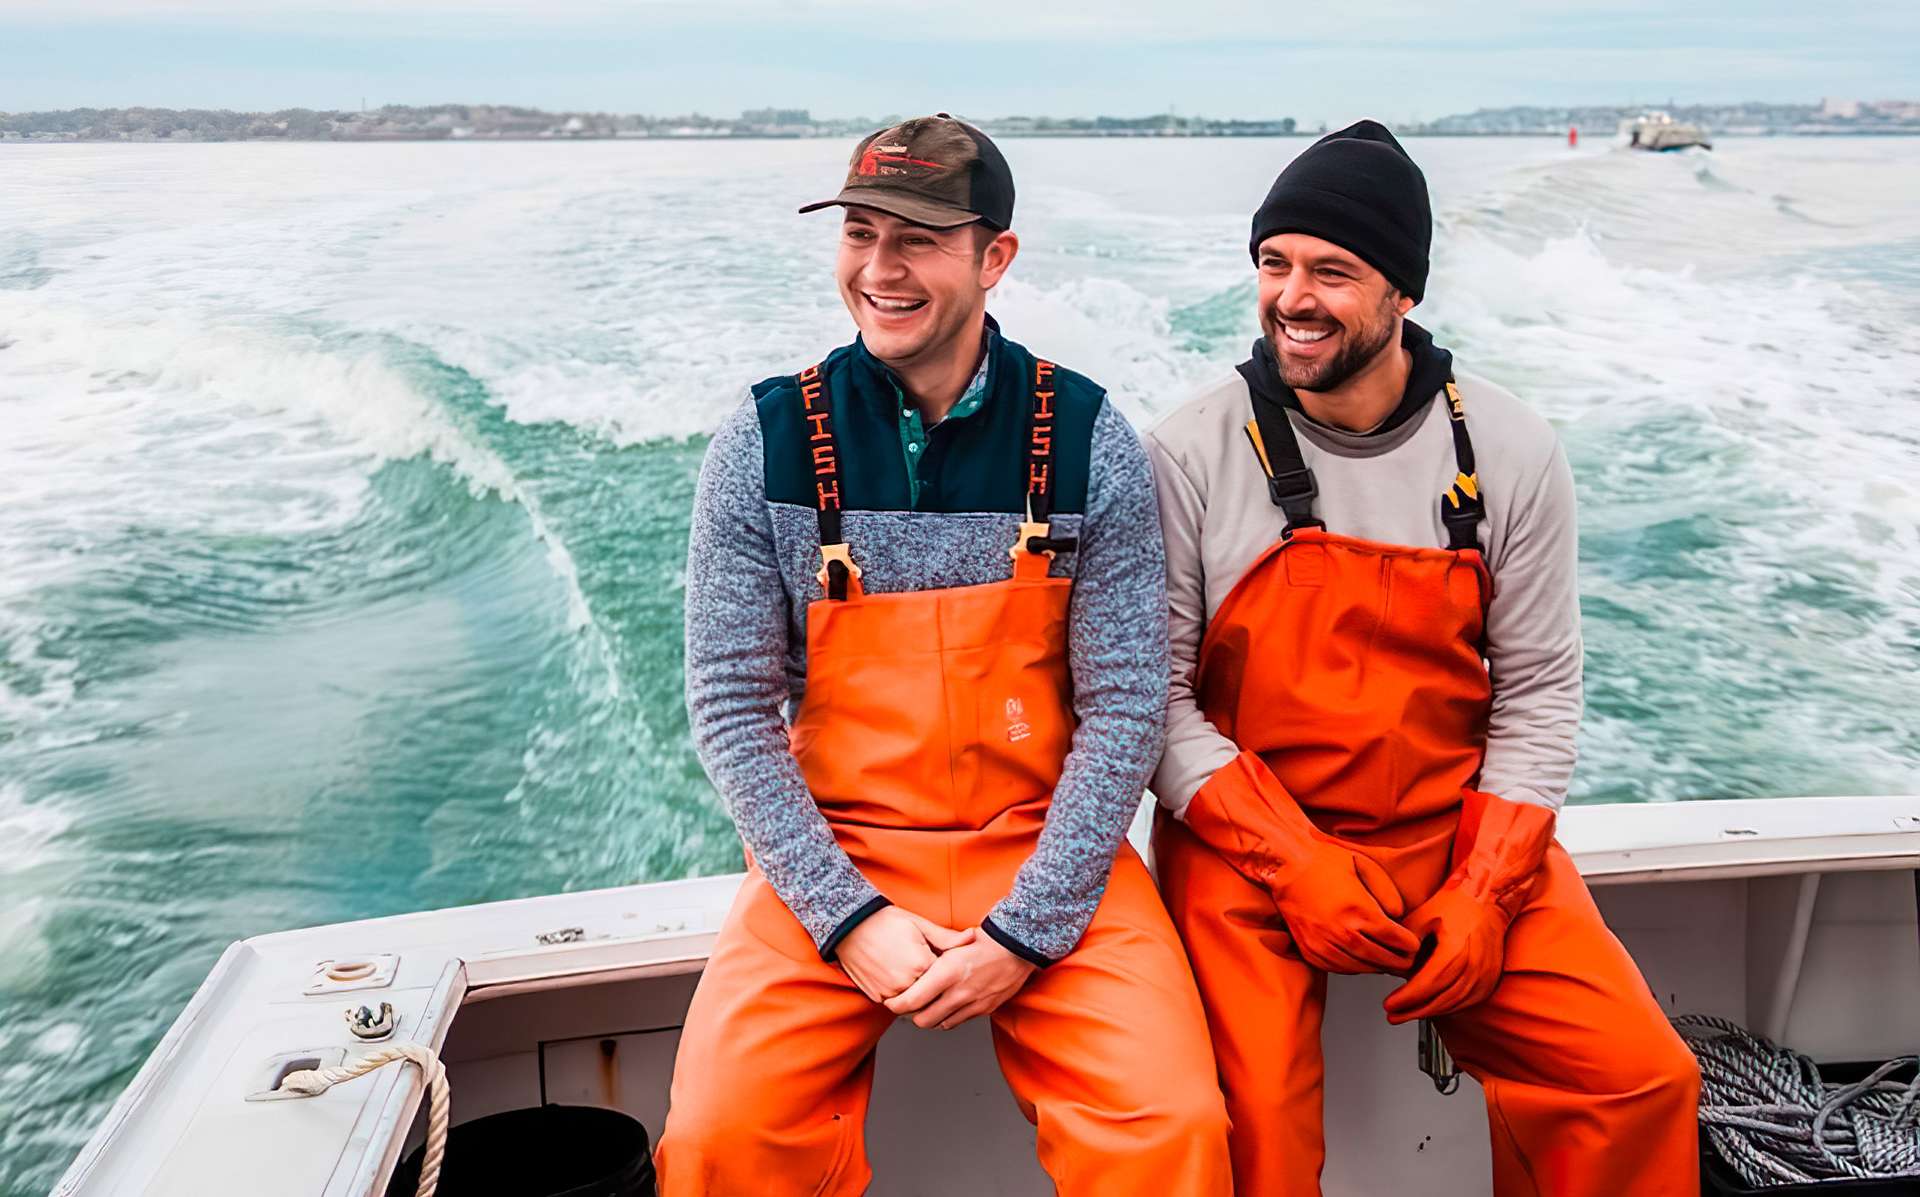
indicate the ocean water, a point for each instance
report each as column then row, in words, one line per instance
column 343, row 498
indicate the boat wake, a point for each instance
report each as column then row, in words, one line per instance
column 324, row 534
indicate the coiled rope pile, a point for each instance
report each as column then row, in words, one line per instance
column 1775, row 1122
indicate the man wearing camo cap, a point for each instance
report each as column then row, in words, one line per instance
column 927, row 671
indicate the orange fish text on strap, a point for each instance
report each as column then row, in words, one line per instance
column 826, row 461
column 1040, row 442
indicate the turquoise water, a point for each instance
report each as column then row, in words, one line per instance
column 343, row 493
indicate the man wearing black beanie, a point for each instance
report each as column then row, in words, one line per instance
column 1370, row 730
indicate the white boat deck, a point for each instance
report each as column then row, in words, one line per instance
column 184, row 1127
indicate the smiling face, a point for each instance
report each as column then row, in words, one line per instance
column 913, row 290
column 1328, row 313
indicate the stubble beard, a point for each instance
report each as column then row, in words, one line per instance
column 1363, row 345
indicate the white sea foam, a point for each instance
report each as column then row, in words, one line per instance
column 1802, row 375
column 37, row 687
column 589, row 290
column 26, row 828
column 1109, row 331
column 23, row 942
column 174, row 418
column 1599, row 285
column 120, row 418
column 60, row 1040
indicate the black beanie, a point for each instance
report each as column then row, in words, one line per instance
column 1358, row 189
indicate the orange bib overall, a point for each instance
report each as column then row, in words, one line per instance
column 1354, row 670
column 933, row 730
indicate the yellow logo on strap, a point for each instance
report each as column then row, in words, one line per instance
column 1463, row 484
column 1259, row 446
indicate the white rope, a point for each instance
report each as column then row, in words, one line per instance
column 311, row 1082
column 1771, row 1117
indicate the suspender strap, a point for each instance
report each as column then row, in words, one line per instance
column 1290, row 483
column 836, row 563
column 1036, row 534
column 1461, row 506
column 1291, row 486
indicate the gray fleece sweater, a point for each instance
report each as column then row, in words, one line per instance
column 751, row 566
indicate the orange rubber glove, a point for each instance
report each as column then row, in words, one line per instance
column 1339, row 906
column 1497, row 853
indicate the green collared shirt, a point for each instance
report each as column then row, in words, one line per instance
column 914, row 430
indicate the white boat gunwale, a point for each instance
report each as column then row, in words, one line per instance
column 489, row 951
column 158, row 1062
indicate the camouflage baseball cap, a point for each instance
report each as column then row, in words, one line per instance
column 933, row 171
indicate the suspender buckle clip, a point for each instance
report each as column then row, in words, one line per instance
column 1289, row 487
column 830, row 554
column 1031, row 532
column 1036, row 537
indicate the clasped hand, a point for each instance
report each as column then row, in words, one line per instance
column 939, row 976
column 1340, row 907
column 1346, row 916
column 1463, row 967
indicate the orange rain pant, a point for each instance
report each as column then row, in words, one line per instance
column 934, row 728
column 1588, row 1090
column 1354, row 669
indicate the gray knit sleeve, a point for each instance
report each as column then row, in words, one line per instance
column 1117, row 652
column 737, row 618
column 1195, row 748
column 1533, row 642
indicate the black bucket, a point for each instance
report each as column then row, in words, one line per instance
column 543, row 1151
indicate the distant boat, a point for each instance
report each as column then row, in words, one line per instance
column 1659, row 132
column 1792, row 916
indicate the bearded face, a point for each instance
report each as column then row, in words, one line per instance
column 1328, row 314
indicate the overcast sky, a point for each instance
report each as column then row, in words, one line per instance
column 1329, row 60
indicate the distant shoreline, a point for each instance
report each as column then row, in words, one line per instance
column 1795, row 135
column 493, row 122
